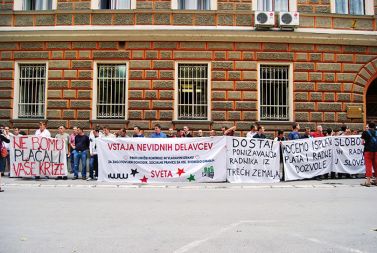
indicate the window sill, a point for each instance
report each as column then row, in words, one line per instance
column 271, row 123
column 30, row 120
column 193, row 122
column 109, row 121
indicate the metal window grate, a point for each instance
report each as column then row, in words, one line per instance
column 192, row 91
column 32, row 91
column 194, row 4
column 274, row 93
column 32, row 5
column 111, row 91
column 115, row 4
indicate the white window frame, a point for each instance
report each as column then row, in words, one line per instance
column 213, row 5
column 94, row 94
column 368, row 5
column 18, row 4
column 95, row 5
column 290, row 89
column 209, row 88
column 292, row 7
column 16, row 90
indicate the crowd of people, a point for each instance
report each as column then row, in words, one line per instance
column 80, row 145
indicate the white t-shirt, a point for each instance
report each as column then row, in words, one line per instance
column 45, row 133
column 251, row 134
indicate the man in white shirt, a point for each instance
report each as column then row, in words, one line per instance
column 42, row 131
column 252, row 132
column 63, row 136
column 106, row 133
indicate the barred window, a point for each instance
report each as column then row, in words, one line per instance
column 36, row 5
column 273, row 5
column 274, row 93
column 192, row 91
column 111, row 91
column 194, row 4
column 32, row 91
column 353, row 7
column 115, row 4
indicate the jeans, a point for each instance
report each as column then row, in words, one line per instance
column 79, row 155
column 3, row 162
column 93, row 166
column 72, row 158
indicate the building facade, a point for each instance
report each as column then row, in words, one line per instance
column 202, row 63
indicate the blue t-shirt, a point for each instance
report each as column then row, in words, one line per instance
column 293, row 136
column 160, row 135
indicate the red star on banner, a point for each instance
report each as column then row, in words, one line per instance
column 144, row 179
column 180, row 172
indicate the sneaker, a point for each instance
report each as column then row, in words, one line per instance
column 83, row 178
column 89, row 179
column 65, row 178
column 74, row 178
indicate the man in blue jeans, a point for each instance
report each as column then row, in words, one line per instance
column 80, row 153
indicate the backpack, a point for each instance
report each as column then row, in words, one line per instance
column 373, row 141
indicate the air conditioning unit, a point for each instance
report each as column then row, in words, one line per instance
column 264, row 18
column 289, row 20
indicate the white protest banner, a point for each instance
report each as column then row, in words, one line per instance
column 348, row 155
column 150, row 160
column 32, row 156
column 252, row 160
column 307, row 158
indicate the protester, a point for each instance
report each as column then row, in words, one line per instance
column 80, row 153
column 7, row 135
column 318, row 133
column 306, row 134
column 370, row 154
column 93, row 162
column 138, row 132
column 72, row 147
column 122, row 133
column 16, row 132
column 171, row 133
column 157, row 132
column 186, row 132
column 63, row 136
column 252, row 132
column 180, row 133
column 200, row 133
column 3, row 140
column 107, row 134
column 281, row 138
column 212, row 133
column 260, row 134
column 42, row 131
column 294, row 135
column 229, row 131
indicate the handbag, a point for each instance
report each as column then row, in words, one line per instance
column 4, row 151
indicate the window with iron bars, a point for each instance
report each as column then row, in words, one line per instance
column 32, row 90
column 353, row 7
column 194, row 4
column 111, row 91
column 273, row 5
column 274, row 93
column 115, row 4
column 192, row 91
column 31, row 5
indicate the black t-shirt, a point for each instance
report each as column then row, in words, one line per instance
column 367, row 137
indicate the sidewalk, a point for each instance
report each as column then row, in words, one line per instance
column 325, row 183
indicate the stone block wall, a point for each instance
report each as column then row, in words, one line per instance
column 326, row 79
